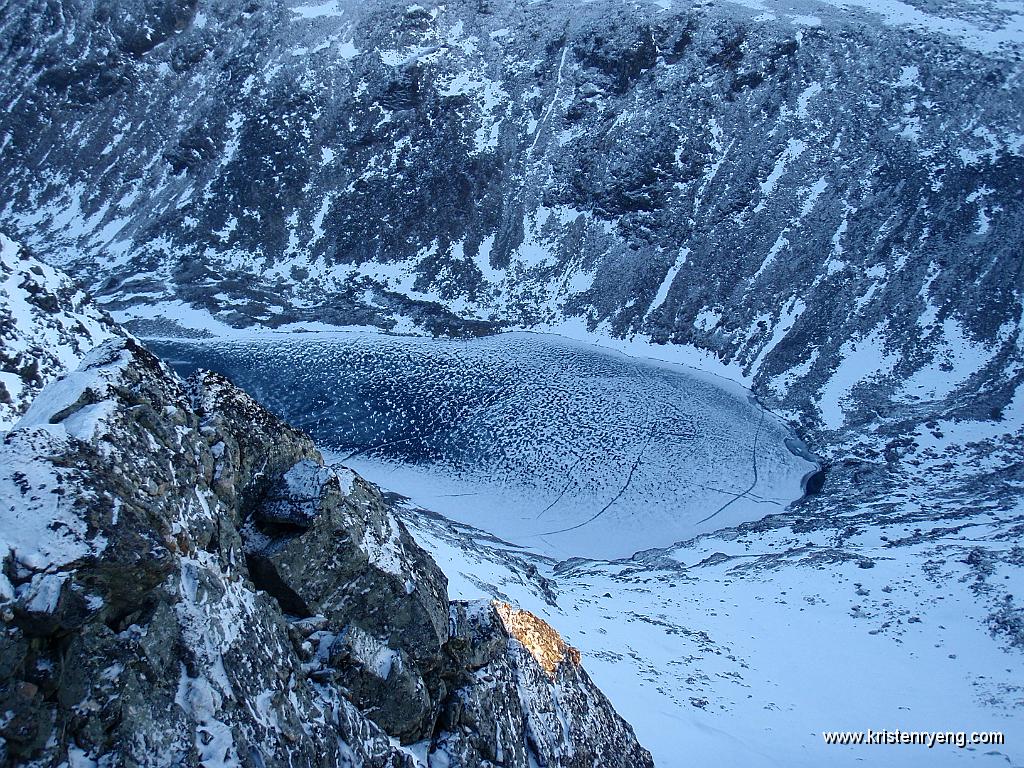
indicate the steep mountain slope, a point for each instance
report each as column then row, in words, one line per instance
column 47, row 324
column 185, row 583
column 791, row 189
column 826, row 198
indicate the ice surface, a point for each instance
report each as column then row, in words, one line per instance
column 553, row 445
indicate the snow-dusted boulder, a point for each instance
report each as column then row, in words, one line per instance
column 184, row 582
column 47, row 324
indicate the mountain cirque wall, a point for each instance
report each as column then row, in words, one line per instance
column 786, row 191
column 185, row 583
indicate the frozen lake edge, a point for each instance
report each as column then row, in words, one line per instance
column 554, row 444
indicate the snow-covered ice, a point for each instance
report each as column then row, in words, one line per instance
column 556, row 446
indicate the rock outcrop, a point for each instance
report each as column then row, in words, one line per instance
column 47, row 324
column 512, row 653
column 185, row 583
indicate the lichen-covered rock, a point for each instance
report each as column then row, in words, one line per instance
column 185, row 583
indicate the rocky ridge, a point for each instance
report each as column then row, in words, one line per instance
column 184, row 582
column 47, row 324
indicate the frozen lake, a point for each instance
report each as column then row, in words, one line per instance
column 557, row 446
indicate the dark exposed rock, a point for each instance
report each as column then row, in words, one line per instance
column 185, row 582
column 338, row 553
column 513, row 653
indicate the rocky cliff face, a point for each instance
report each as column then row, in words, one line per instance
column 788, row 190
column 185, row 583
column 828, row 199
column 47, row 324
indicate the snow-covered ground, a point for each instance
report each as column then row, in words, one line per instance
column 47, row 324
column 741, row 650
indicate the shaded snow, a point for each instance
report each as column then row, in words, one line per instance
column 46, row 326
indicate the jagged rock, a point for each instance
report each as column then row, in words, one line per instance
column 46, row 325
column 512, row 654
column 353, row 559
column 184, row 582
column 326, row 545
column 537, row 636
column 145, row 638
column 254, row 449
column 386, row 683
